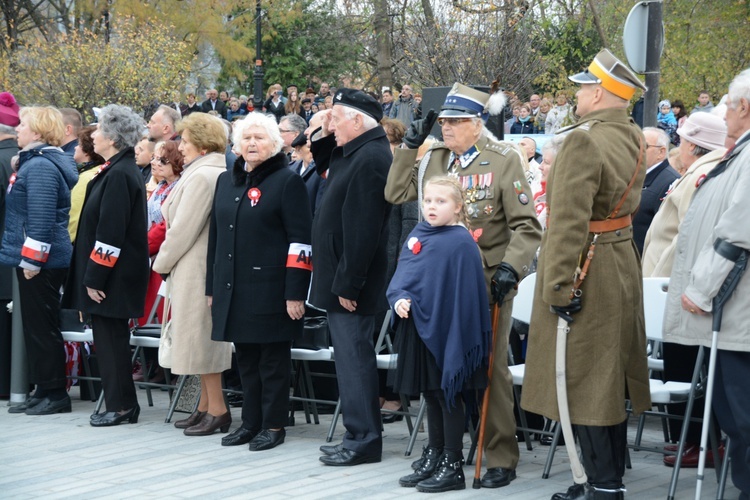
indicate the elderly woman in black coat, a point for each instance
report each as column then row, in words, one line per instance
column 109, row 270
column 259, row 264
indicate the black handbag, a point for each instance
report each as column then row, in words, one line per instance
column 70, row 321
column 314, row 335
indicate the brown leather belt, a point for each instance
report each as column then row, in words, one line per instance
column 606, row 226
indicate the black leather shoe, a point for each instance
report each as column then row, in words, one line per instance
column 235, row 400
column 267, row 439
column 588, row 492
column 331, row 449
column 30, row 402
column 50, row 407
column 238, row 436
column 389, row 418
column 112, row 418
column 497, row 477
column 348, row 457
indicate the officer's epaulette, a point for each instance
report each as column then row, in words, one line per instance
column 584, row 125
column 501, row 147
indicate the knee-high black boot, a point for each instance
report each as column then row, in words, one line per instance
column 603, row 452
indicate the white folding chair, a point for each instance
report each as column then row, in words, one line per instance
column 147, row 336
column 667, row 392
column 389, row 361
column 522, row 306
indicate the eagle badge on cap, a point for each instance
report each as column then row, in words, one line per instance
column 338, row 96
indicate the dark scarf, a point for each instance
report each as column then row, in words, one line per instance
column 449, row 304
column 258, row 174
column 88, row 165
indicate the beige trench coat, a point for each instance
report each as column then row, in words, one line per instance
column 187, row 212
column 606, row 346
column 661, row 238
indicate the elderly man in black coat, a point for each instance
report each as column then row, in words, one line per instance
column 349, row 246
column 659, row 177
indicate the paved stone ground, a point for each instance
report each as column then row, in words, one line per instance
column 61, row 456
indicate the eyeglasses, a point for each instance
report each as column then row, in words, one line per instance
column 653, row 146
column 160, row 159
column 285, row 131
column 451, row 121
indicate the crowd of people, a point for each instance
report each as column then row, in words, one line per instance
column 231, row 206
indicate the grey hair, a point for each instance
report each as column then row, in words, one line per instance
column 485, row 131
column 296, row 122
column 227, row 127
column 553, row 145
column 255, row 119
column 699, row 151
column 8, row 130
column 739, row 89
column 662, row 139
column 171, row 114
column 368, row 122
column 120, row 125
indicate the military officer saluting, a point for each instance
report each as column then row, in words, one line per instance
column 503, row 224
column 593, row 190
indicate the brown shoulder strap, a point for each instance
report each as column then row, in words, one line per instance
column 614, row 213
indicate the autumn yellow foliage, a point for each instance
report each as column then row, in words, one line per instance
column 79, row 70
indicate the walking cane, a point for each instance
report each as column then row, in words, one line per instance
column 486, row 399
column 730, row 283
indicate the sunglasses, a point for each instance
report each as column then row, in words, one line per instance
column 451, row 121
column 160, row 159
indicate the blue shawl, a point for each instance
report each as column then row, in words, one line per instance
column 445, row 282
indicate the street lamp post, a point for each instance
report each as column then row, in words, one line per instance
column 258, row 73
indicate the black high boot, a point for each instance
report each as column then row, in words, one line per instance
column 427, row 451
column 448, row 476
column 603, row 454
column 589, row 492
column 429, row 462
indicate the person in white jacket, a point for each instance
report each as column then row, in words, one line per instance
column 713, row 233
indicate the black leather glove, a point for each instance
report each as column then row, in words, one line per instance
column 504, row 280
column 419, row 130
column 567, row 312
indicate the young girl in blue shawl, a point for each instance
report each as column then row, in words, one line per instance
column 443, row 329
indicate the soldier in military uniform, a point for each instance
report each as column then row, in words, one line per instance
column 503, row 223
column 593, row 189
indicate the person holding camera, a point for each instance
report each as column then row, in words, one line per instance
column 274, row 105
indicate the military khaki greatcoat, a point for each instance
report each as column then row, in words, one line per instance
column 606, row 346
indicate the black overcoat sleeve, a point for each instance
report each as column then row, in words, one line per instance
column 322, row 149
column 298, row 224
column 115, row 211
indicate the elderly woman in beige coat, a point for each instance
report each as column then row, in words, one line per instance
column 187, row 212
column 701, row 148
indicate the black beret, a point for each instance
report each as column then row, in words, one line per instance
column 360, row 101
column 300, row 140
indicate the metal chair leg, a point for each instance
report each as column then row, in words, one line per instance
column 334, row 421
column 417, row 424
column 724, row 471
column 553, row 448
column 180, row 385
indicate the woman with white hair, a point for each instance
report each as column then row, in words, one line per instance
column 259, row 264
column 109, row 270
